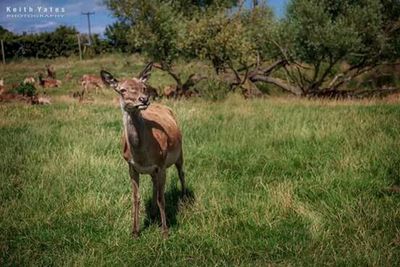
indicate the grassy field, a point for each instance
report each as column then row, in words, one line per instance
column 274, row 182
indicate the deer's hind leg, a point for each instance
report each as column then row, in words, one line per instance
column 181, row 173
column 159, row 185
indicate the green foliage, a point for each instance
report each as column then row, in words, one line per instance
column 5, row 34
column 262, row 30
column 219, row 38
column 117, row 36
column 326, row 33
column 232, row 39
column 355, row 31
column 190, row 8
column 26, row 89
column 213, row 89
column 319, row 31
column 61, row 42
column 157, row 30
column 161, row 28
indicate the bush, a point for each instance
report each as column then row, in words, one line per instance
column 26, row 89
column 213, row 89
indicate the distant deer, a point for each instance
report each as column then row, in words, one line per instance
column 29, row 80
column 51, row 72
column 90, row 81
column 48, row 83
column 2, row 89
column 152, row 142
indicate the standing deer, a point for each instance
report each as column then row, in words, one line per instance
column 91, row 81
column 152, row 142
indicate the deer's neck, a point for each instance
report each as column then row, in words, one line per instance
column 134, row 129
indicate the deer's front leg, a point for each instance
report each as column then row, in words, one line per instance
column 135, row 200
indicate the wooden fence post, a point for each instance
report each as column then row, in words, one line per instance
column 79, row 44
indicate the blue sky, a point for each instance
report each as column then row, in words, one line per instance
column 71, row 14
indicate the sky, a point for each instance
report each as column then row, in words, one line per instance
column 31, row 16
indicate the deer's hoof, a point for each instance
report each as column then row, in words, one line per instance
column 165, row 234
column 135, row 234
column 184, row 193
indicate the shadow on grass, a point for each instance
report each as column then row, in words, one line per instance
column 174, row 202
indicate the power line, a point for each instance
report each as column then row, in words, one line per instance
column 89, row 27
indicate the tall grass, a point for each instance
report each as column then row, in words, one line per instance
column 274, row 182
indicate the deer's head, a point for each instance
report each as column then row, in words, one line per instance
column 133, row 92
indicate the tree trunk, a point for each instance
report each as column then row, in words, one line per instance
column 278, row 82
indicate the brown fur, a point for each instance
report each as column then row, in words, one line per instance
column 151, row 142
column 2, row 89
column 169, row 91
column 91, row 81
column 51, row 72
column 11, row 97
column 172, row 92
column 165, row 135
column 40, row 100
column 67, row 77
column 48, row 83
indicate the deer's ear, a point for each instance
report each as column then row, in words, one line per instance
column 108, row 79
column 146, row 72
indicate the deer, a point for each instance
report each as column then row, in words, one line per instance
column 89, row 81
column 48, row 83
column 2, row 89
column 151, row 139
column 51, row 72
column 29, row 80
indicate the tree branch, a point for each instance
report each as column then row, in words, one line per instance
column 168, row 69
column 278, row 82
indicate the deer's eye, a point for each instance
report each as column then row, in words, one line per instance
column 122, row 90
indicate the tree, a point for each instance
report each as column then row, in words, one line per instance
column 5, row 34
column 239, row 45
column 318, row 36
column 60, row 42
column 158, row 29
column 117, row 36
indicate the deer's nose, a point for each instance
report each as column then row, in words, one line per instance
column 144, row 99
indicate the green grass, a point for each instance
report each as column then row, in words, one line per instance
column 275, row 181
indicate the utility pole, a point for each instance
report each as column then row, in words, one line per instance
column 88, row 20
column 2, row 52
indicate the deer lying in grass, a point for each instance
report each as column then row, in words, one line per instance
column 48, row 83
column 152, row 142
